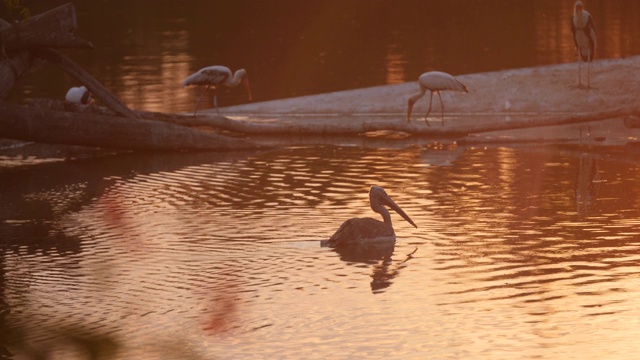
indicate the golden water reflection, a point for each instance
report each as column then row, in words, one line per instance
column 219, row 254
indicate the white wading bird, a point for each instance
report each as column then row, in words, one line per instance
column 360, row 231
column 214, row 76
column 584, row 36
column 79, row 95
column 434, row 81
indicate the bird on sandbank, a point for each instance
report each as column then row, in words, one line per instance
column 434, row 81
column 213, row 76
column 360, row 231
column 585, row 39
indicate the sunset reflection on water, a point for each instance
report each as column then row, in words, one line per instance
column 220, row 254
column 521, row 250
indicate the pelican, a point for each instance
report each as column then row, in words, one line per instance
column 367, row 230
column 79, row 94
column 214, row 76
column 584, row 36
column 434, row 81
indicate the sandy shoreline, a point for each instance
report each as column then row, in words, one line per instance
column 551, row 88
column 493, row 96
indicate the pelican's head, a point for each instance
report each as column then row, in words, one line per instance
column 378, row 197
column 242, row 75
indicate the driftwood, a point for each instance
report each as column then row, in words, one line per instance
column 37, row 36
column 11, row 68
column 88, row 110
column 632, row 121
column 58, row 127
column 34, row 38
column 53, row 28
column 96, row 88
column 352, row 126
column 121, row 128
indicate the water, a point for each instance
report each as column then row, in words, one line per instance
column 144, row 50
column 520, row 251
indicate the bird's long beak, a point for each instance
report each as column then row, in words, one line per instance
column 245, row 81
column 411, row 102
column 386, row 200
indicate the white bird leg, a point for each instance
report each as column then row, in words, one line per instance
column 441, row 107
column 429, row 111
column 198, row 101
column 589, row 72
column 579, row 69
column 215, row 100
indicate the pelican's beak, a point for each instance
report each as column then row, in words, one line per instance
column 386, row 200
column 245, row 81
column 411, row 102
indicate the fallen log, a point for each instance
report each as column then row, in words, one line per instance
column 11, row 69
column 550, row 121
column 57, row 127
column 96, row 88
column 12, row 66
column 349, row 125
column 35, row 37
column 632, row 122
column 54, row 28
column 329, row 125
column 178, row 119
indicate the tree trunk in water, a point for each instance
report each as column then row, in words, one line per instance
column 96, row 88
column 56, row 127
column 53, row 28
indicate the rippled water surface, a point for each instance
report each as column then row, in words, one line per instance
column 520, row 252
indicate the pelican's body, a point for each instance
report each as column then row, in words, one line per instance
column 79, row 95
column 585, row 38
column 214, row 76
column 367, row 230
column 434, row 81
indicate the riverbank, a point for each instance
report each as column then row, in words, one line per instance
column 500, row 96
column 493, row 96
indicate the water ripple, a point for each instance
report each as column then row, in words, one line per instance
column 226, row 252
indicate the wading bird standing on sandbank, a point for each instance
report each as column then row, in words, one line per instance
column 214, row 76
column 584, row 36
column 434, row 81
column 361, row 231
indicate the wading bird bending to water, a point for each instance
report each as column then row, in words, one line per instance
column 434, row 81
column 584, row 36
column 359, row 231
column 214, row 76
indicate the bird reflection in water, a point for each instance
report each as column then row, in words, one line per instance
column 384, row 269
column 370, row 241
column 587, row 184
